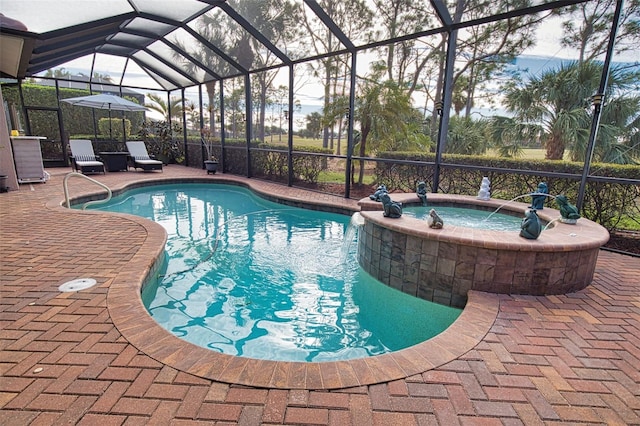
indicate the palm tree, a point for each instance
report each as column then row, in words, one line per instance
column 508, row 136
column 387, row 119
column 168, row 112
column 555, row 105
column 58, row 73
column 210, row 28
column 619, row 133
column 466, row 136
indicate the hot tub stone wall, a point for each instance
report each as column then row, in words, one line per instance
column 443, row 272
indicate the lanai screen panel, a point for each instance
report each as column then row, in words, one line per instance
column 486, row 8
column 200, row 53
column 385, row 20
column 178, row 60
column 42, row 16
column 244, row 50
column 178, row 10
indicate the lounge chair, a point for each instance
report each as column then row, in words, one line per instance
column 141, row 158
column 82, row 157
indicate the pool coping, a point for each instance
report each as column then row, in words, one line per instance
column 131, row 318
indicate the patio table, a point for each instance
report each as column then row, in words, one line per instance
column 115, row 161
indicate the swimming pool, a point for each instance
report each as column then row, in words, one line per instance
column 248, row 277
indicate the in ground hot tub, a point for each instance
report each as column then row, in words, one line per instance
column 442, row 265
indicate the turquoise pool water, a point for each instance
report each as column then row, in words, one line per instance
column 469, row 218
column 248, row 277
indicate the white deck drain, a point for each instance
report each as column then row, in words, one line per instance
column 77, row 285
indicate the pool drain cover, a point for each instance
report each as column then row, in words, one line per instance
column 77, row 285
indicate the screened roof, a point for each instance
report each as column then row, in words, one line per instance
column 182, row 43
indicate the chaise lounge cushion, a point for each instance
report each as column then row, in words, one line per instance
column 141, row 158
column 82, row 157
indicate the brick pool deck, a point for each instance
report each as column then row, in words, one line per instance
column 67, row 358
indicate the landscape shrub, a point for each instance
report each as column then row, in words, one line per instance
column 112, row 128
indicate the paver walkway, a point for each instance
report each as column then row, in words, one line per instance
column 546, row 360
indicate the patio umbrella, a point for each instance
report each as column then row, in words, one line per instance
column 105, row 101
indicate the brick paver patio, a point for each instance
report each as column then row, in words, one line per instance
column 544, row 360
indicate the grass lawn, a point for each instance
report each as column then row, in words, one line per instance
column 532, row 154
column 528, row 153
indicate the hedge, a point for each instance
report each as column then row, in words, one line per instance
column 77, row 120
column 605, row 203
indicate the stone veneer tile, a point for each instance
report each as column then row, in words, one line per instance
column 411, row 272
column 374, row 270
column 425, row 293
column 486, row 256
column 399, row 241
column 395, row 282
column 464, row 270
column 461, row 287
column 386, row 249
column 383, row 275
column 397, row 268
column 428, row 263
column 412, row 258
column 540, row 279
column 375, row 246
column 483, row 273
column 558, row 262
column 506, row 258
column 442, row 297
column 526, row 260
column 446, row 267
column 386, row 235
column 584, row 273
column 414, row 244
column 430, row 247
column 397, row 254
column 364, row 256
column 522, row 282
column 410, row 287
column 570, row 273
column 502, row 288
column 458, row 301
column 503, row 274
column 545, row 258
column 447, row 251
column 556, row 276
column 443, row 282
column 467, row 254
column 425, row 278
column 588, row 259
column 385, row 265
column 372, row 229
